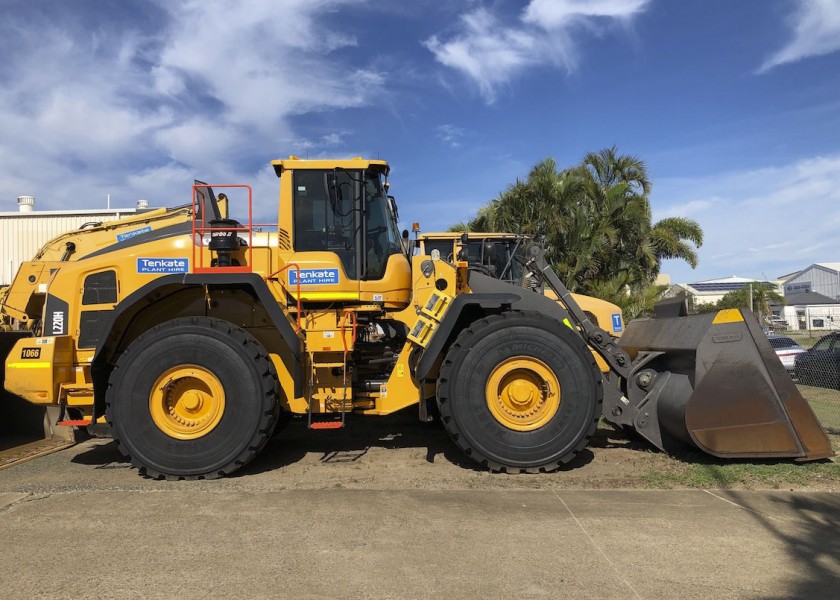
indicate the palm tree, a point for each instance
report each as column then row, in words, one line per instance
column 608, row 168
column 594, row 220
column 762, row 295
column 756, row 296
column 670, row 239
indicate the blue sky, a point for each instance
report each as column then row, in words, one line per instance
column 734, row 106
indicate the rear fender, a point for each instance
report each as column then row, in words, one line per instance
column 121, row 327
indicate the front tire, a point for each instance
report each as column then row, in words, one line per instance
column 192, row 398
column 520, row 392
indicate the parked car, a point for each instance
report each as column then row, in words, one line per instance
column 786, row 349
column 820, row 364
column 777, row 324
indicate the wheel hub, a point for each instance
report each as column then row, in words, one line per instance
column 187, row 402
column 523, row 393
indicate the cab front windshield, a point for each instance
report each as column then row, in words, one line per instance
column 496, row 258
column 381, row 235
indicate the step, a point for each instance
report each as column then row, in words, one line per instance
column 326, row 425
column 75, row 422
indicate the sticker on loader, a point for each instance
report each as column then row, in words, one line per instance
column 130, row 234
column 163, row 265
column 616, row 323
column 314, row 277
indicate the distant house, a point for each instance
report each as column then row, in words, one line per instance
column 809, row 311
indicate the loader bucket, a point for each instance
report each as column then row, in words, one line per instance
column 26, row 430
column 714, row 381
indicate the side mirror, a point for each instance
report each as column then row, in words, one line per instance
column 332, row 188
column 405, row 234
column 392, row 202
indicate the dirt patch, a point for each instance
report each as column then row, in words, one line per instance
column 398, row 452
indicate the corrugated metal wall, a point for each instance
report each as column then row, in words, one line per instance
column 23, row 234
column 822, row 280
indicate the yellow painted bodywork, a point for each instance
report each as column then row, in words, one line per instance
column 36, row 368
column 599, row 311
column 330, row 320
column 728, row 315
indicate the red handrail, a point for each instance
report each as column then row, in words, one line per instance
column 203, row 228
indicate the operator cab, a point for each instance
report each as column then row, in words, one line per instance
column 491, row 254
column 344, row 235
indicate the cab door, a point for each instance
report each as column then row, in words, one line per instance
column 326, row 207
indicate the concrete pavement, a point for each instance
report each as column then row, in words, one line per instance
column 389, row 510
column 338, row 543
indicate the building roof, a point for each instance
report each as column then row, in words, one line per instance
column 831, row 266
column 724, row 284
column 828, row 266
column 731, row 279
column 809, row 298
column 64, row 213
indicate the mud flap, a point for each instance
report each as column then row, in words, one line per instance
column 714, row 381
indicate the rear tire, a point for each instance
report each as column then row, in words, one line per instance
column 192, row 398
column 497, row 399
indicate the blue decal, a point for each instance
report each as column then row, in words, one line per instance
column 163, row 265
column 314, row 277
column 616, row 319
column 130, row 234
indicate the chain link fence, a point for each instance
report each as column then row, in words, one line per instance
column 815, row 367
column 805, row 332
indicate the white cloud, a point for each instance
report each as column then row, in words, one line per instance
column 450, row 135
column 815, row 26
column 554, row 14
column 134, row 106
column 492, row 53
column 767, row 221
column 692, row 207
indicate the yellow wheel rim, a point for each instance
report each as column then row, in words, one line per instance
column 522, row 393
column 187, row 402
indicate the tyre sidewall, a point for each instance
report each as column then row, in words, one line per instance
column 564, row 353
column 245, row 403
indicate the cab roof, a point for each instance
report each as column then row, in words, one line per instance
column 351, row 164
column 473, row 235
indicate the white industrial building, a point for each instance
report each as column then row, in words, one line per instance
column 710, row 291
column 820, row 278
column 812, row 296
column 24, row 232
column 809, row 311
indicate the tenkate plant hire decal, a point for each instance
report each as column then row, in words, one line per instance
column 130, row 234
column 314, row 277
column 163, row 265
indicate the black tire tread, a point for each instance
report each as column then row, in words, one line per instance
column 269, row 383
column 446, row 373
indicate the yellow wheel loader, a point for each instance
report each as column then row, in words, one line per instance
column 194, row 330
